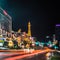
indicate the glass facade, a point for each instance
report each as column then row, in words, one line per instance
column 5, row 21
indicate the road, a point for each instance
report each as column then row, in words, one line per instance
column 26, row 55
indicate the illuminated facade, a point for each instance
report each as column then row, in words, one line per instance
column 29, row 29
column 5, row 21
column 57, row 32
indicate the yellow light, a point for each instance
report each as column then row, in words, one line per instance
column 10, row 44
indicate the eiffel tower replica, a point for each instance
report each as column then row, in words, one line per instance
column 29, row 29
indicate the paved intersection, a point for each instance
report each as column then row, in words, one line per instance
column 21, row 55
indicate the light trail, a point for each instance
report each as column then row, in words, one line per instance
column 36, row 52
column 10, row 54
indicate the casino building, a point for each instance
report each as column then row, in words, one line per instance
column 5, row 22
column 57, row 32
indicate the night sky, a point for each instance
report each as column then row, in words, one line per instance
column 43, row 15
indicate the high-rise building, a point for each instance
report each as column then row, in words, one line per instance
column 5, row 21
column 57, row 33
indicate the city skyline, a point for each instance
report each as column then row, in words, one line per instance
column 43, row 15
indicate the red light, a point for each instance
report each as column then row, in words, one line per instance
column 4, row 12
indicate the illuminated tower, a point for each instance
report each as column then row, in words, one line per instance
column 29, row 28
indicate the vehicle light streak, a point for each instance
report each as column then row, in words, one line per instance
column 36, row 52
